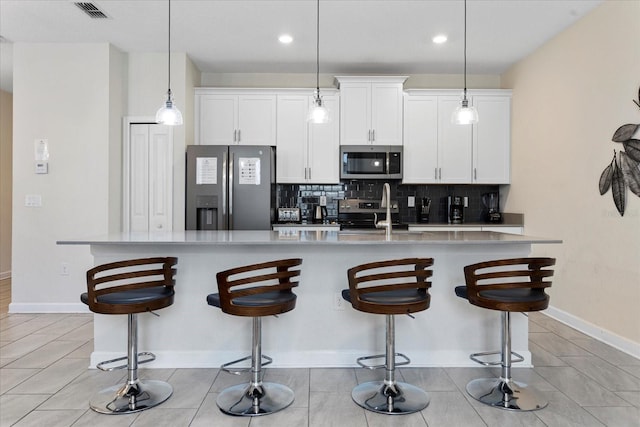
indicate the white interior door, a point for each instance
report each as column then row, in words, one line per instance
column 150, row 173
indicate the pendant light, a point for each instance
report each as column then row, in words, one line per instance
column 465, row 114
column 168, row 114
column 318, row 113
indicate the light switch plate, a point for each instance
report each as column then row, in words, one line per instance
column 33, row 200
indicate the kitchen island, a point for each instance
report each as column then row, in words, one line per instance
column 322, row 331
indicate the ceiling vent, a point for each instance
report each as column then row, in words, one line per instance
column 91, row 9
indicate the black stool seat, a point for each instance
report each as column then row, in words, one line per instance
column 258, row 300
column 506, row 285
column 507, row 295
column 404, row 296
column 135, row 296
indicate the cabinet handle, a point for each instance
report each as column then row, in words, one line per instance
column 309, row 173
column 475, row 174
column 305, row 173
column 435, row 173
column 373, row 135
column 238, row 135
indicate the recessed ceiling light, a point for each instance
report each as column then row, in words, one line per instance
column 285, row 39
column 439, row 39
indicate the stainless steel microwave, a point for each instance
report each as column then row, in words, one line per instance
column 371, row 162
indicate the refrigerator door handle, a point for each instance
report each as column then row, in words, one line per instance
column 224, row 188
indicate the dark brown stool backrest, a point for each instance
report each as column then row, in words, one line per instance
column 275, row 281
column 130, row 275
column 390, row 276
column 509, row 274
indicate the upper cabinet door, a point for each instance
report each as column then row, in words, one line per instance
column 217, row 121
column 355, row 114
column 492, row 140
column 324, row 145
column 420, row 149
column 227, row 118
column 291, row 156
column 370, row 110
column 256, row 120
column 454, row 144
column 386, row 113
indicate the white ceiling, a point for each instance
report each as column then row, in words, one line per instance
column 356, row 36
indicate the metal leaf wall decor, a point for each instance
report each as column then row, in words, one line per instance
column 624, row 170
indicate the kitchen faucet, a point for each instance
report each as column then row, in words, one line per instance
column 386, row 202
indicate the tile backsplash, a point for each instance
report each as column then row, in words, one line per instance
column 305, row 196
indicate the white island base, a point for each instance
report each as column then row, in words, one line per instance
column 322, row 331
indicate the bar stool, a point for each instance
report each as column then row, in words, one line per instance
column 507, row 285
column 272, row 296
column 130, row 287
column 389, row 288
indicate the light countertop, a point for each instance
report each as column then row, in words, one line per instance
column 265, row 237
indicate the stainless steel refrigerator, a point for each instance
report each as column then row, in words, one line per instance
column 230, row 187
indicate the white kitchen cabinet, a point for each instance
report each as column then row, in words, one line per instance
column 307, row 152
column 437, row 151
column 235, row 117
column 492, row 140
column 370, row 110
column 148, row 176
column 454, row 145
column 420, row 150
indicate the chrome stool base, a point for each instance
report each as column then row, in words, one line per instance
column 131, row 398
column 392, row 399
column 254, row 400
column 506, row 394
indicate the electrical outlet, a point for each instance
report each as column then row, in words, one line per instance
column 323, row 200
column 411, row 202
column 338, row 301
column 64, row 269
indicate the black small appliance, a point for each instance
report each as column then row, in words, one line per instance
column 456, row 210
column 423, row 209
column 491, row 202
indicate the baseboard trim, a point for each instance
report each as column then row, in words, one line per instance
column 623, row 344
column 16, row 307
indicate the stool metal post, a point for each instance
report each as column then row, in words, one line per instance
column 135, row 395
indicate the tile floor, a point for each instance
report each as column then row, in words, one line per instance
column 44, row 381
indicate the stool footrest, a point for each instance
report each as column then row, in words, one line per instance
column 515, row 358
column 361, row 360
column 237, row 371
column 150, row 357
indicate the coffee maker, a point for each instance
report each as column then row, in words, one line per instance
column 456, row 210
column 423, row 210
column 491, row 202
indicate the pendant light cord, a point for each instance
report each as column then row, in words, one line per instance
column 318, row 48
column 169, row 44
column 465, row 48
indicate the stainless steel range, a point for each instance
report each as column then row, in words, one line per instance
column 362, row 213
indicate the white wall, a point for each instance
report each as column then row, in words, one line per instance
column 303, row 80
column 6, row 120
column 568, row 99
column 61, row 93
